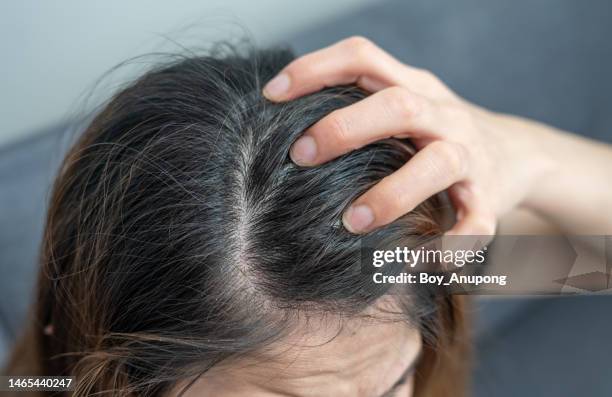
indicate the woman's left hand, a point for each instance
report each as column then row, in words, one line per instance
column 489, row 162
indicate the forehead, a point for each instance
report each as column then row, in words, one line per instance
column 362, row 356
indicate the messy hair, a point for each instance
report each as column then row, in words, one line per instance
column 180, row 235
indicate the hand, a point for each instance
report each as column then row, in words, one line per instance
column 488, row 162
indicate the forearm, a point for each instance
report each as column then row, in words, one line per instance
column 575, row 190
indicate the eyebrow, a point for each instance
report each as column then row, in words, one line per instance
column 407, row 372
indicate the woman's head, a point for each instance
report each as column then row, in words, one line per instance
column 185, row 252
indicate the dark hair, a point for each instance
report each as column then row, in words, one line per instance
column 180, row 234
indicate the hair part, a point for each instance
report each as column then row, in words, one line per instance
column 180, row 234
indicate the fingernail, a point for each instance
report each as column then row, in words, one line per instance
column 304, row 151
column 277, row 87
column 358, row 218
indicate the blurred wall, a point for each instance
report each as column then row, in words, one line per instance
column 52, row 52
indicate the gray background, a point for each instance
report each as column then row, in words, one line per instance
column 54, row 51
column 546, row 59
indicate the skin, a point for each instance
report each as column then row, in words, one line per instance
column 356, row 357
column 491, row 163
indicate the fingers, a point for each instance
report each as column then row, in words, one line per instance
column 354, row 60
column 433, row 169
column 394, row 111
column 406, row 103
column 474, row 216
column 475, row 223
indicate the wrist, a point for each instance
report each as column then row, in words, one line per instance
column 534, row 153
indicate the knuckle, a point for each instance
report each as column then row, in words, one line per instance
column 338, row 129
column 450, row 159
column 360, row 46
column 427, row 74
column 400, row 101
column 395, row 205
column 459, row 115
column 398, row 200
column 358, row 41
